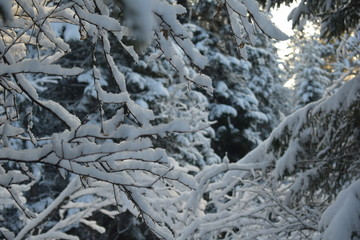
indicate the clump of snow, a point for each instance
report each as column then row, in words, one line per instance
column 219, row 110
column 341, row 220
column 69, row 32
column 288, row 160
column 222, row 88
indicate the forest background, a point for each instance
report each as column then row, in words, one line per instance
column 135, row 119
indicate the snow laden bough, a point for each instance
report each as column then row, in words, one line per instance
column 300, row 183
column 111, row 155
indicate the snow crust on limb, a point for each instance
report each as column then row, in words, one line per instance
column 244, row 31
column 35, row 66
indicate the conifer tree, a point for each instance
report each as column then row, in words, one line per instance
column 307, row 64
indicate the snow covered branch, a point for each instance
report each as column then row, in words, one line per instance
column 240, row 11
column 280, row 188
column 116, row 150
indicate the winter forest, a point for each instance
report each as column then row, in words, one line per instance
column 177, row 119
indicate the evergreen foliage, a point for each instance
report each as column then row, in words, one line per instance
column 336, row 17
column 307, row 64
